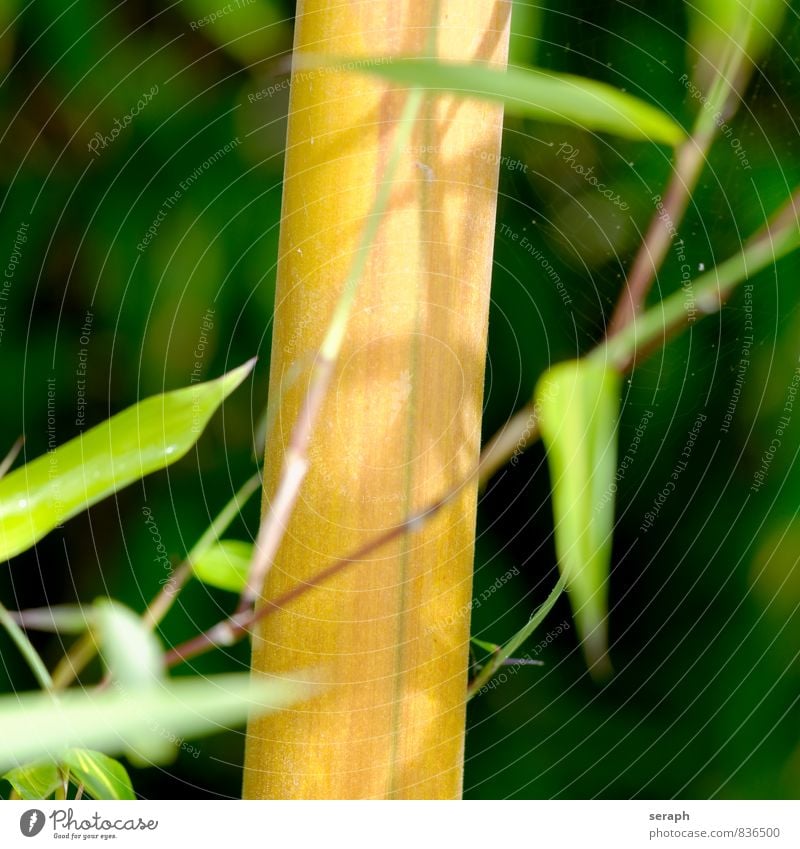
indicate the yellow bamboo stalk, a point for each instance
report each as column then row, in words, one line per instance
column 401, row 422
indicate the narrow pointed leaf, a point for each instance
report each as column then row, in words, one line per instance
column 531, row 93
column 34, row 781
column 149, row 436
column 225, row 565
column 482, row 644
column 578, row 405
column 115, row 720
column 101, row 776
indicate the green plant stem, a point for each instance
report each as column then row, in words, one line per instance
column 74, row 661
column 27, row 650
column 159, row 607
column 161, row 604
column 85, row 648
column 779, row 237
column 514, row 436
column 506, row 651
column 710, row 291
column 689, row 161
column 13, row 453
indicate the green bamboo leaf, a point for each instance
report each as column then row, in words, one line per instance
column 130, row 650
column 528, row 93
column 482, row 644
column 147, row 437
column 578, row 409
column 34, row 781
column 101, row 776
column 114, row 720
column 225, row 565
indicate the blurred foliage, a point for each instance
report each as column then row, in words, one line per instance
column 141, row 165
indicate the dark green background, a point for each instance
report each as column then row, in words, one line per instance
column 704, row 622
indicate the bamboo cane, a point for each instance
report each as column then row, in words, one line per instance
column 401, row 420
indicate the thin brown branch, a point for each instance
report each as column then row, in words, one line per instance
column 231, row 630
column 8, row 460
column 662, row 231
column 779, row 236
column 74, row 661
column 160, row 605
column 522, row 429
column 519, row 432
column 691, row 156
column 295, row 467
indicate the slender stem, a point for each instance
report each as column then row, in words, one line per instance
column 63, row 786
column 663, row 228
column 503, row 654
column 267, row 420
column 160, row 605
column 229, row 631
column 295, row 463
column 493, row 648
column 27, row 650
column 709, row 291
column 84, row 649
column 689, row 162
column 13, row 453
column 780, row 237
column 520, row 431
column 225, row 516
column 74, row 661
column 515, row 435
